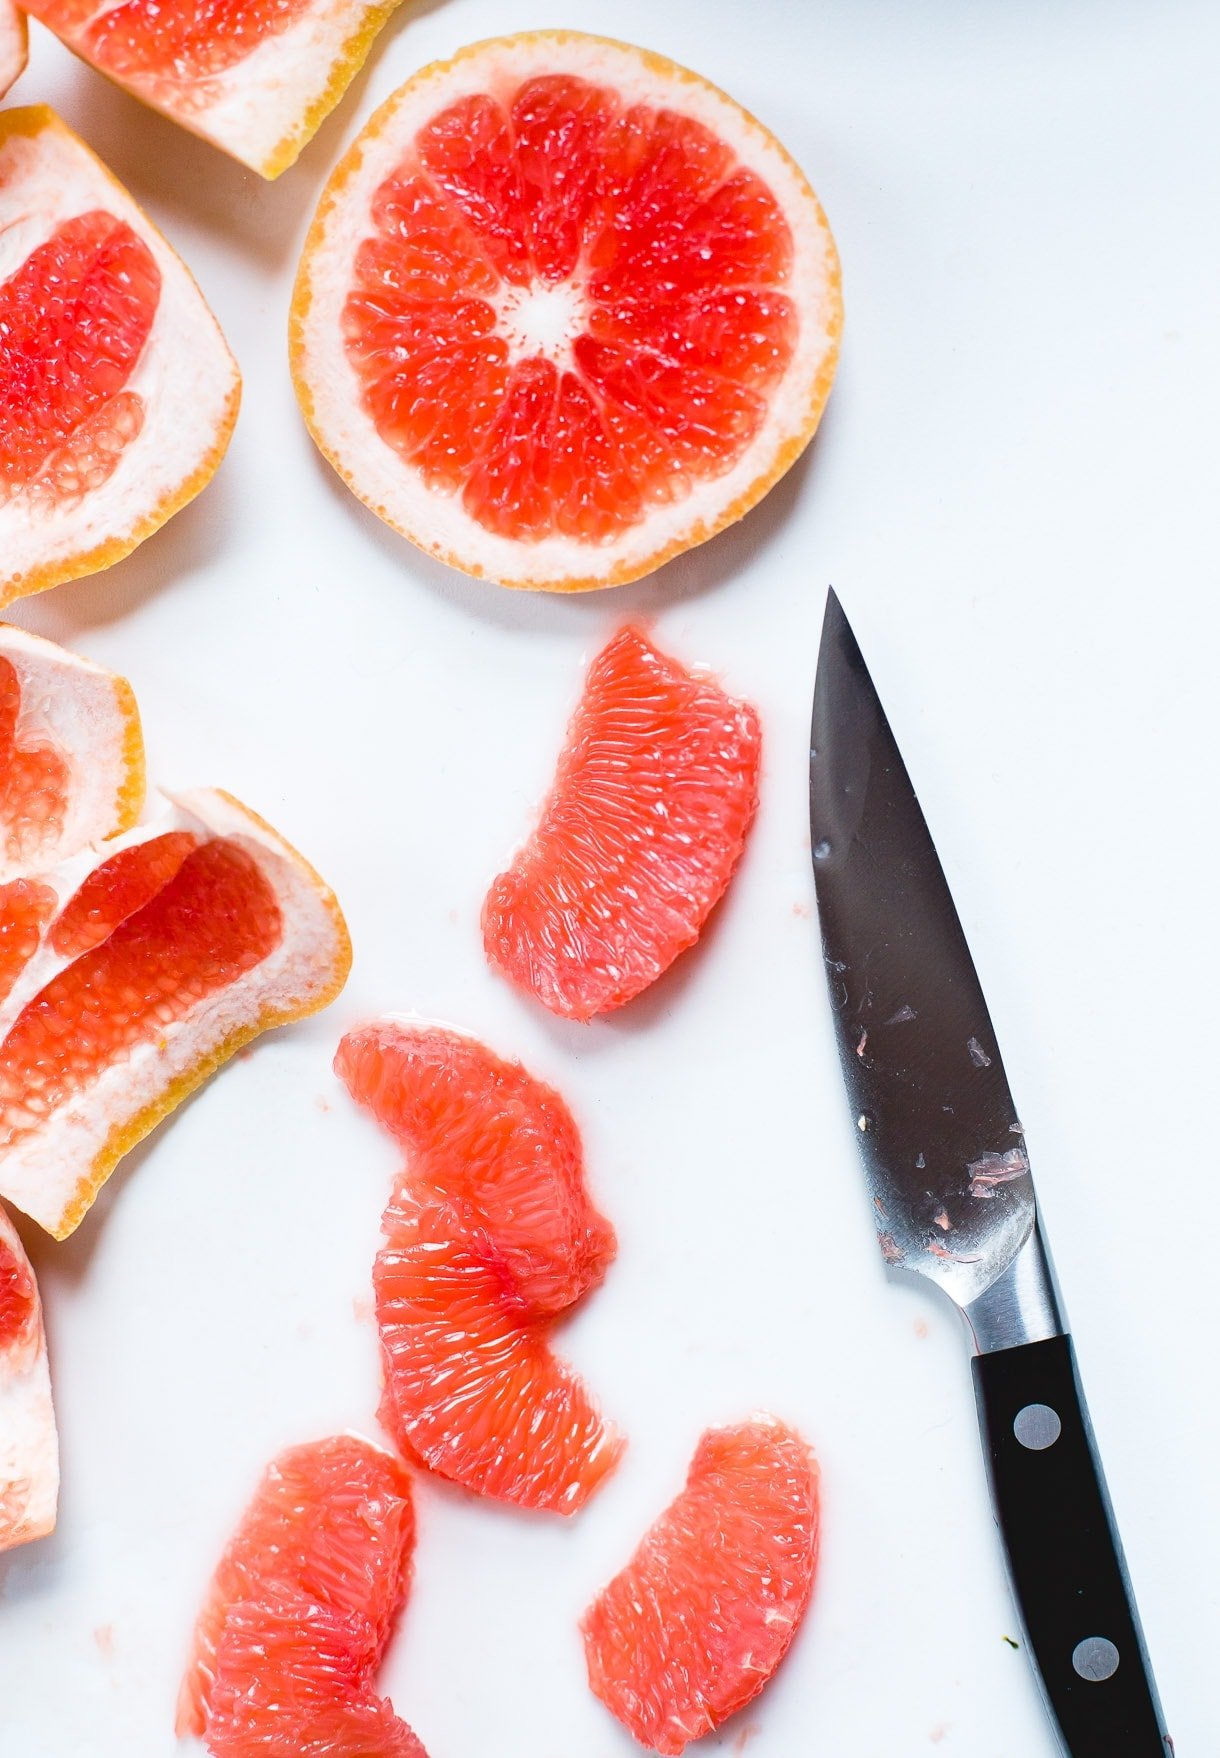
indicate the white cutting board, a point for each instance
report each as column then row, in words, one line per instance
column 1014, row 492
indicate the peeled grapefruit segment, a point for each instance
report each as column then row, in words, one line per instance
column 647, row 817
column 117, row 391
column 704, row 1612
column 13, row 45
column 171, row 950
column 565, row 310
column 489, row 1235
column 331, row 1528
column 71, row 753
column 254, row 77
column 29, row 1448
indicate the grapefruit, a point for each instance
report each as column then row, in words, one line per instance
column 704, row 1612
column 117, row 390
column 488, row 1237
column 565, row 310
column 254, row 77
column 163, row 953
column 330, row 1530
column 647, row 817
column 71, row 754
column 29, row 1449
column 13, row 45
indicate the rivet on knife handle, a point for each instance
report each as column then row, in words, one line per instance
column 952, row 1189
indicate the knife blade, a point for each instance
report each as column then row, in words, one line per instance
column 952, row 1190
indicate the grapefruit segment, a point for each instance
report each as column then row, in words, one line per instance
column 26, row 906
column 254, row 77
column 29, row 1448
column 117, row 391
column 71, row 754
column 647, row 817
column 489, row 1235
column 698, row 1621
column 564, row 310
column 331, row 1528
column 13, row 45
column 170, row 952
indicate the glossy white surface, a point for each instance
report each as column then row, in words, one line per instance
column 1014, row 493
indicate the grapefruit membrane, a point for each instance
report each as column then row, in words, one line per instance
column 29, row 1448
column 71, row 753
column 118, row 393
column 164, row 952
column 489, row 1236
column 330, row 1529
column 254, row 77
column 699, row 1620
column 565, row 309
column 13, row 44
column 654, row 794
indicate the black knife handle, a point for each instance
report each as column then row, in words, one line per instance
column 1064, row 1554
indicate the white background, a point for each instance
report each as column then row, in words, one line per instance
column 1014, row 491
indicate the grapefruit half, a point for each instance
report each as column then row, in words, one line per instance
column 71, row 753
column 29, row 1449
column 161, row 953
column 330, row 1530
column 646, row 820
column 565, row 310
column 706, row 1609
column 489, row 1236
column 254, row 77
column 117, row 390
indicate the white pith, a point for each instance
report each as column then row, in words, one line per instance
column 29, row 1446
column 393, row 488
column 250, row 109
column 186, row 377
column 82, row 710
column 41, row 1172
column 542, row 320
column 12, row 44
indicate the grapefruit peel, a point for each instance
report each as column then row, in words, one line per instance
column 698, row 1621
column 653, row 797
column 143, row 438
column 14, row 45
column 29, row 1449
column 541, row 323
column 489, row 1236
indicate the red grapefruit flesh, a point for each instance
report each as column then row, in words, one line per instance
column 71, row 754
column 118, row 888
column 565, row 310
column 698, row 1621
column 292, row 1681
column 331, row 1528
column 647, row 817
column 489, row 1235
column 29, row 1449
column 26, row 906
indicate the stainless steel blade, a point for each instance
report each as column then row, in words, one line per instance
column 940, row 1136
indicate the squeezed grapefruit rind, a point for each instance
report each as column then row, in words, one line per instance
column 329, row 392
column 91, row 716
column 42, row 1173
column 29, row 1447
column 45, row 186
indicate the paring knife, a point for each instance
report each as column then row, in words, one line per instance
column 953, row 1198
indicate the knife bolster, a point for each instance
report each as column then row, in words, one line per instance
column 1022, row 1306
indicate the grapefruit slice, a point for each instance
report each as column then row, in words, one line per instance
column 331, row 1529
column 13, row 44
column 165, row 952
column 647, row 817
column 565, row 310
column 704, row 1612
column 489, row 1235
column 71, row 754
column 29, row 1449
column 254, row 77
column 117, row 391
